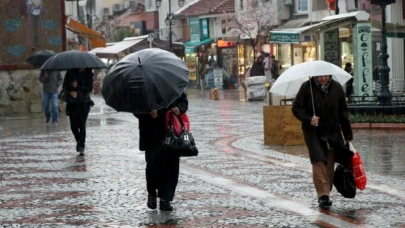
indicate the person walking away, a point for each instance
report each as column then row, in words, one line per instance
column 51, row 80
column 162, row 169
column 275, row 68
column 258, row 67
column 78, row 85
column 323, row 122
column 202, row 71
column 349, row 84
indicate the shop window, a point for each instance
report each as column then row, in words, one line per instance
column 150, row 5
column 301, row 6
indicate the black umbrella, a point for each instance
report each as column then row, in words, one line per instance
column 144, row 81
column 73, row 59
column 40, row 57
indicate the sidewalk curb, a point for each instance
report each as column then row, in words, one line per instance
column 378, row 126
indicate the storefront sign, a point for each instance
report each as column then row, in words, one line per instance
column 284, row 37
column 218, row 78
column 363, row 75
column 189, row 50
column 204, row 24
column 195, row 29
column 331, row 47
column 225, row 44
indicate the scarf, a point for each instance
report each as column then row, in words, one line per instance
column 324, row 88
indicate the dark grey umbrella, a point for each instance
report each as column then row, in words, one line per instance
column 73, row 59
column 40, row 57
column 144, row 81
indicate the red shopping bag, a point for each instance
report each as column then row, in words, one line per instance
column 177, row 127
column 358, row 169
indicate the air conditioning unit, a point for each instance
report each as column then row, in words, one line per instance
column 289, row 2
column 107, row 11
column 118, row 7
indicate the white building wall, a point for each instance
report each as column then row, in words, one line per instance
column 396, row 49
column 177, row 29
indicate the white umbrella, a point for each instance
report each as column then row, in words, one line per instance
column 291, row 80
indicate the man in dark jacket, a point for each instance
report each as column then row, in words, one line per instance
column 162, row 170
column 51, row 80
column 275, row 68
column 323, row 129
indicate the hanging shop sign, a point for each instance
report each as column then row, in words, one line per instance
column 284, row 37
column 363, row 78
column 225, row 44
column 195, row 29
column 331, row 46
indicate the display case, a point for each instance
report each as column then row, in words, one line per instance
column 191, row 62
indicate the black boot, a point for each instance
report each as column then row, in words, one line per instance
column 324, row 202
column 165, row 205
column 152, row 203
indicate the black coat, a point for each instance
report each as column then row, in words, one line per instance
column 84, row 86
column 333, row 120
column 152, row 131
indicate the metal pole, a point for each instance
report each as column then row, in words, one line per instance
column 384, row 96
column 170, row 25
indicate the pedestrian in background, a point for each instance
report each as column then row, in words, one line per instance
column 324, row 118
column 51, row 80
column 162, row 169
column 275, row 68
column 258, row 67
column 349, row 84
column 78, row 85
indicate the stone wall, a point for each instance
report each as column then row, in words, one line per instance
column 21, row 93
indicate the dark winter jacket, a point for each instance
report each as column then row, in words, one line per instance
column 257, row 69
column 84, row 86
column 152, row 131
column 333, row 118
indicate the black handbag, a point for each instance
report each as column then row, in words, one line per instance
column 62, row 95
column 344, row 181
column 181, row 146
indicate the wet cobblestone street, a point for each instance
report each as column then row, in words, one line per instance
column 236, row 181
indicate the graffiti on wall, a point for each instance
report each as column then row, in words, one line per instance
column 28, row 26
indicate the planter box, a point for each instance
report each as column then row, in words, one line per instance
column 387, row 126
column 281, row 127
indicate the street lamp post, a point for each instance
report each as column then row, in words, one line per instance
column 384, row 96
column 169, row 18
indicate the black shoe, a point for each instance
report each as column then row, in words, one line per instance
column 165, row 205
column 324, row 202
column 152, row 203
column 80, row 149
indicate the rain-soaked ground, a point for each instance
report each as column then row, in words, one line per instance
column 236, row 181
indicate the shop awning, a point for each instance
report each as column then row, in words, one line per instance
column 190, row 46
column 112, row 52
column 96, row 38
column 293, row 35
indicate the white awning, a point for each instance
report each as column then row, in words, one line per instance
column 293, row 35
column 112, row 52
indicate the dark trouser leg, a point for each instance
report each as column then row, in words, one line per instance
column 322, row 173
column 152, row 169
column 169, row 177
column 82, row 118
column 74, row 125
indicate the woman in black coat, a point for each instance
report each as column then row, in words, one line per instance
column 162, row 170
column 323, row 129
column 78, row 84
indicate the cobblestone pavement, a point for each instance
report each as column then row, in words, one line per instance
column 236, row 181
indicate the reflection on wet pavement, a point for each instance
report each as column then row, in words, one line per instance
column 235, row 182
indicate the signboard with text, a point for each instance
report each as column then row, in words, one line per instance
column 363, row 74
column 204, row 27
column 195, row 29
column 284, row 37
